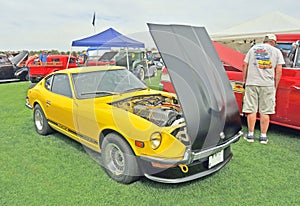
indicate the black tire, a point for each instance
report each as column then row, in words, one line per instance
column 141, row 74
column 40, row 122
column 27, row 77
column 118, row 159
column 33, row 80
column 32, row 85
column 154, row 72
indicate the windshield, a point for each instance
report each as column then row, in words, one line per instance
column 105, row 83
column 297, row 59
column 4, row 60
column 107, row 56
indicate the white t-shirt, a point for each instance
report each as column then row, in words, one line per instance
column 262, row 60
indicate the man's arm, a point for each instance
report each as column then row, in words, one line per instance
column 245, row 69
column 278, row 73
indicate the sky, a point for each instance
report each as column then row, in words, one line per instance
column 46, row 25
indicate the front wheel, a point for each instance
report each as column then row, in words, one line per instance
column 118, row 159
column 40, row 122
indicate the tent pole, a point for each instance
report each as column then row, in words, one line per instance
column 97, row 55
column 69, row 58
column 127, row 59
column 148, row 72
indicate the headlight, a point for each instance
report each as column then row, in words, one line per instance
column 155, row 140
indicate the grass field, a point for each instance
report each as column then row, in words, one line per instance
column 55, row 170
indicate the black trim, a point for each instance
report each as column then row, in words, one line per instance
column 191, row 177
column 89, row 139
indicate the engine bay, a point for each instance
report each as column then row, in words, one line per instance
column 160, row 110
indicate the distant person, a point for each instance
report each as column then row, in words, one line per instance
column 253, row 42
column 150, row 58
column 43, row 56
column 36, row 59
column 262, row 71
column 84, row 56
column 291, row 55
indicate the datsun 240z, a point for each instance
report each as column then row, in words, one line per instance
column 139, row 131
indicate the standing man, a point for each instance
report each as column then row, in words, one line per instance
column 262, row 71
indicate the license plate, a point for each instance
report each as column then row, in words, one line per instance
column 215, row 159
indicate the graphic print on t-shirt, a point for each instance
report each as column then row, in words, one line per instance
column 262, row 57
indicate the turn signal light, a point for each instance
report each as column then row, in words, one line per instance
column 139, row 144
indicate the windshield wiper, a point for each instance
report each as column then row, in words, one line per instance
column 99, row 92
column 135, row 89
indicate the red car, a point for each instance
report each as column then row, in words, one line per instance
column 108, row 58
column 288, row 93
column 38, row 70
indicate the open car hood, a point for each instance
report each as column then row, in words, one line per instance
column 16, row 60
column 201, row 84
column 230, row 57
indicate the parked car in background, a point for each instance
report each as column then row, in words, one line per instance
column 14, row 68
column 288, row 91
column 137, row 63
column 108, row 58
column 157, row 60
column 165, row 82
column 289, row 46
column 39, row 70
column 6, row 68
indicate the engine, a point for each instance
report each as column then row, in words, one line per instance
column 160, row 110
column 159, row 115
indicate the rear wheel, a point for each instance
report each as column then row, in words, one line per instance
column 118, row 159
column 154, row 72
column 141, row 74
column 40, row 122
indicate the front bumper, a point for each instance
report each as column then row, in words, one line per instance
column 191, row 159
column 27, row 103
column 28, row 106
column 190, row 156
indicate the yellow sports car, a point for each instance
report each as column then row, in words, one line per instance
column 139, row 131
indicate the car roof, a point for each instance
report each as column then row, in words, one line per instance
column 288, row 37
column 90, row 69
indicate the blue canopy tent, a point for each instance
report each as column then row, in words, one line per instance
column 98, row 48
column 109, row 38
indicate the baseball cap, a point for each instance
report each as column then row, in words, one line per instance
column 270, row 37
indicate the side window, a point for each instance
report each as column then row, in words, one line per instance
column 55, row 60
column 61, row 85
column 72, row 60
column 48, row 82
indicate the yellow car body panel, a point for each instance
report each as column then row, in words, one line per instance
column 85, row 119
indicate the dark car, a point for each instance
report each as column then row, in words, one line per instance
column 12, row 69
column 6, row 68
column 108, row 58
column 136, row 62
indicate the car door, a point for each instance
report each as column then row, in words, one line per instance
column 288, row 98
column 59, row 101
column 85, row 106
column 294, row 105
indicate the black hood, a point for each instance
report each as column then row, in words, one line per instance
column 16, row 60
column 200, row 82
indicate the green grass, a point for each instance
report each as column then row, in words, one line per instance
column 153, row 83
column 55, row 170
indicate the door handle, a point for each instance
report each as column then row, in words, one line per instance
column 48, row 102
column 296, row 87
